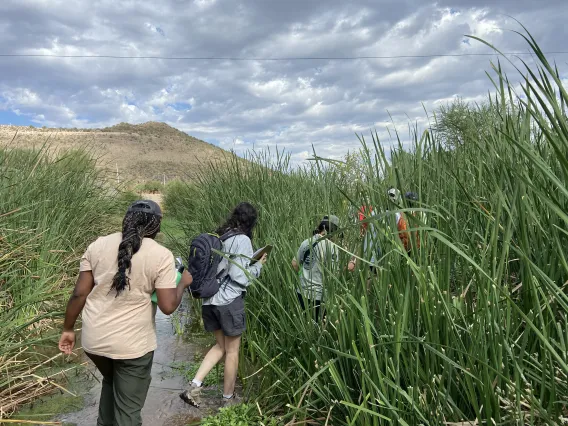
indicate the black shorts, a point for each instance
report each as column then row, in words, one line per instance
column 229, row 318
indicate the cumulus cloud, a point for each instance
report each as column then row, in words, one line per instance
column 296, row 105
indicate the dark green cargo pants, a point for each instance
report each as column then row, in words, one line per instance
column 125, row 386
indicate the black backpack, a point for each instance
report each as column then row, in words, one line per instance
column 203, row 263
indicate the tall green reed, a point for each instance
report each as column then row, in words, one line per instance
column 469, row 326
column 52, row 207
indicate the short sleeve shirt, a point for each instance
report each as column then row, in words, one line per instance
column 123, row 326
column 313, row 260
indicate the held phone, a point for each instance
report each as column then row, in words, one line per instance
column 179, row 268
column 259, row 253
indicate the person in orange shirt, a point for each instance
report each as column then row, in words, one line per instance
column 403, row 224
column 371, row 248
column 364, row 213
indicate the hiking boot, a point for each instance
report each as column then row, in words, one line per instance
column 234, row 400
column 192, row 396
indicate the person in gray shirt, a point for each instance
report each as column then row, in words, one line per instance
column 224, row 313
column 315, row 255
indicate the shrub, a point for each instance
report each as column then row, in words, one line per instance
column 239, row 415
column 179, row 198
column 151, row 186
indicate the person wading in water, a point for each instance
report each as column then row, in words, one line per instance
column 224, row 313
column 118, row 274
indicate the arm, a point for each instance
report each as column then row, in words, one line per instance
column 83, row 287
column 240, row 268
column 299, row 255
column 170, row 298
column 403, row 232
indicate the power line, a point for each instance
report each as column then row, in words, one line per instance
column 256, row 59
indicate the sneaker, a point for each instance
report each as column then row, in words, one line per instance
column 192, row 396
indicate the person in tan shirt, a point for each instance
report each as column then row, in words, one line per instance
column 118, row 274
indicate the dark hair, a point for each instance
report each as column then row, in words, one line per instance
column 326, row 225
column 135, row 226
column 243, row 218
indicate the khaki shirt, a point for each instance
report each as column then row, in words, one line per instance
column 124, row 327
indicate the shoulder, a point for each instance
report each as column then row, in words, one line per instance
column 241, row 238
column 238, row 243
column 106, row 241
column 116, row 236
column 155, row 249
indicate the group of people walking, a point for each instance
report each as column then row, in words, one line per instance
column 120, row 272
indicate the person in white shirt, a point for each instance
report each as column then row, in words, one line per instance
column 316, row 255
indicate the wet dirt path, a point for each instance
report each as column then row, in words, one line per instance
column 163, row 406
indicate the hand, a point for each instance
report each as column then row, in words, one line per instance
column 295, row 265
column 186, row 279
column 263, row 258
column 67, row 342
column 351, row 266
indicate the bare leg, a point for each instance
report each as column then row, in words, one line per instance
column 214, row 355
column 232, row 345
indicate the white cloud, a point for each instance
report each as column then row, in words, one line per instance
column 241, row 104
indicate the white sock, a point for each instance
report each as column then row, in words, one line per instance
column 197, row 383
column 228, row 396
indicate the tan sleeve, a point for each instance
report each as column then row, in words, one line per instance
column 85, row 263
column 166, row 276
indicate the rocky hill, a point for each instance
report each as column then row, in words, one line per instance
column 136, row 153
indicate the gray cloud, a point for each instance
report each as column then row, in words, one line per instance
column 238, row 104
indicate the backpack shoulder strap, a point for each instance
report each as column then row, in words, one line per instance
column 230, row 233
column 308, row 251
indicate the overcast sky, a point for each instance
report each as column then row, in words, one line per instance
column 240, row 104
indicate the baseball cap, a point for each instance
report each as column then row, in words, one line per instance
column 393, row 194
column 146, row 206
column 331, row 219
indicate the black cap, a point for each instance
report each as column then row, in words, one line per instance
column 146, row 206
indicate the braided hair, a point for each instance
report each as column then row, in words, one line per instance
column 243, row 218
column 135, row 226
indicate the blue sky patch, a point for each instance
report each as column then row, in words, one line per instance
column 180, row 106
column 10, row 117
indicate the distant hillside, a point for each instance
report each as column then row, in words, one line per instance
column 141, row 152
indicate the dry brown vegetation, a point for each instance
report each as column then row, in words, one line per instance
column 142, row 152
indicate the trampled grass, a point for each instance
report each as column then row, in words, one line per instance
column 471, row 326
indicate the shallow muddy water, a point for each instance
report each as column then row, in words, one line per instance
column 163, row 406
